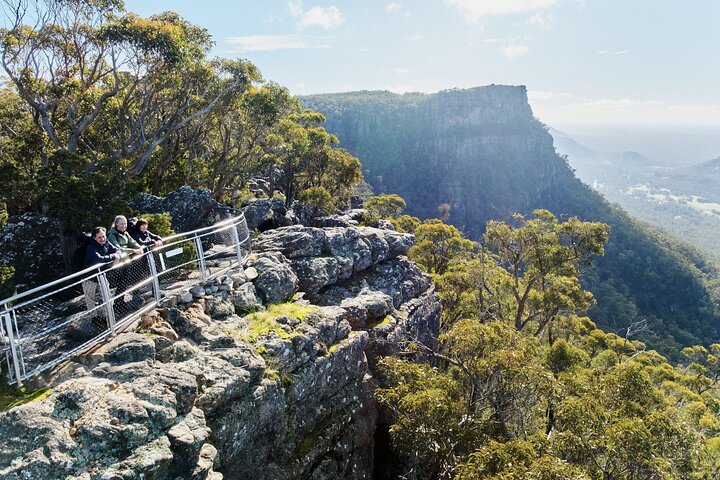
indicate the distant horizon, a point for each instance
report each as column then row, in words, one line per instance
column 640, row 62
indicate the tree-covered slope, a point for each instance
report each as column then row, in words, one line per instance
column 482, row 152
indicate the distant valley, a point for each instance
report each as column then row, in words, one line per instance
column 681, row 197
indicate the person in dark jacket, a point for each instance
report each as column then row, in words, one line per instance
column 98, row 252
column 143, row 236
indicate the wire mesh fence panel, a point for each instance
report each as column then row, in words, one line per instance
column 219, row 250
column 131, row 286
column 177, row 261
column 52, row 323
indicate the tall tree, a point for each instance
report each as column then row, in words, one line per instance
column 106, row 88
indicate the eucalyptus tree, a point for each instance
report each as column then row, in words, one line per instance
column 242, row 135
column 307, row 156
column 82, row 65
column 106, row 88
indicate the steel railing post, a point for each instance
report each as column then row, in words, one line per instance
column 153, row 272
column 201, row 258
column 107, row 300
column 7, row 320
column 238, row 246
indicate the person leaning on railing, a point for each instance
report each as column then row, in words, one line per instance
column 119, row 236
column 143, row 236
column 99, row 251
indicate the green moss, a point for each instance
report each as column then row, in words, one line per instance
column 265, row 321
column 274, row 370
column 379, row 323
column 334, row 348
column 12, row 397
column 290, row 309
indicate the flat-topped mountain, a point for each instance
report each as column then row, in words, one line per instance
column 483, row 152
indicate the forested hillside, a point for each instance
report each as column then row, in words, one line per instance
column 482, row 152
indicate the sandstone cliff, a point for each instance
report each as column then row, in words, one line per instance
column 243, row 377
column 481, row 151
column 482, row 144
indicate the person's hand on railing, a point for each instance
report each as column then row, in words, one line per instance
column 158, row 243
column 138, row 251
column 117, row 258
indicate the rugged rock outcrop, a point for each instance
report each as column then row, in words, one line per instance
column 204, row 389
column 267, row 213
column 189, row 208
column 32, row 244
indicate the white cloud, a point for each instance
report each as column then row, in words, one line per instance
column 392, row 7
column 513, row 50
column 401, row 71
column 263, row 43
column 474, row 10
column 328, row 18
column 610, row 52
column 416, row 38
column 295, row 9
column 541, row 20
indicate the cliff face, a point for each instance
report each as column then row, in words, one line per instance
column 481, row 151
column 481, row 144
column 206, row 390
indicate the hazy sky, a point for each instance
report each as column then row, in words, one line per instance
column 583, row 61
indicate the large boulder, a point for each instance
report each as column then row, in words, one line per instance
column 267, row 213
column 32, row 244
column 276, row 281
column 190, row 208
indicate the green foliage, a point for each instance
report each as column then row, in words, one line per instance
column 265, row 322
column 385, row 206
column 80, row 198
column 159, row 223
column 308, row 156
column 436, row 244
column 314, row 202
column 561, row 400
column 405, row 223
column 7, row 281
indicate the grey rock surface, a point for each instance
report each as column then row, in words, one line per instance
column 190, row 208
column 238, row 381
column 266, row 214
column 31, row 243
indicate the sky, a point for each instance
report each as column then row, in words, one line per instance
column 584, row 62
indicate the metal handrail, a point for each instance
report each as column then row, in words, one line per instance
column 28, row 319
column 83, row 273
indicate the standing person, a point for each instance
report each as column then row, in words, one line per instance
column 98, row 252
column 119, row 236
column 143, row 236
